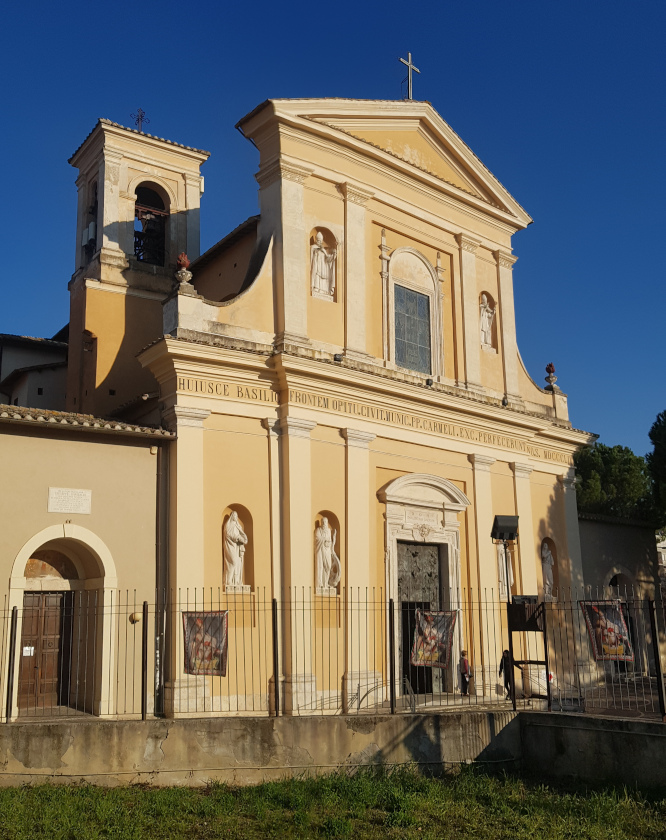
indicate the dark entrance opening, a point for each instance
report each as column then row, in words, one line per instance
column 423, row 575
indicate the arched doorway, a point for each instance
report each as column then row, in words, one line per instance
column 61, row 590
column 423, row 570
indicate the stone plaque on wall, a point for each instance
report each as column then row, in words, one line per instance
column 69, row 500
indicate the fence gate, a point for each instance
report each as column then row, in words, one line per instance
column 526, row 616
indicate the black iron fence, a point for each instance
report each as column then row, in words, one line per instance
column 242, row 652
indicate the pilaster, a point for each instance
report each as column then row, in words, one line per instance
column 297, row 562
column 281, row 197
column 358, row 508
column 574, row 578
column 526, row 544
column 356, row 199
column 186, row 475
column 470, row 299
column 273, row 433
column 359, row 681
column 109, row 198
column 483, row 508
column 193, row 184
column 505, row 264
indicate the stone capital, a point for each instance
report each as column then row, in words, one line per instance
column 358, row 438
column 568, row 481
column 271, row 425
column 481, row 463
column 504, row 259
column 296, row 427
column 284, row 171
column 355, row 194
column 184, row 415
column 467, row 243
column 521, row 470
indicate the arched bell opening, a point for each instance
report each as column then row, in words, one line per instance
column 151, row 214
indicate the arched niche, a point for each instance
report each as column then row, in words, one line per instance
column 334, row 525
column 245, row 519
column 321, row 290
column 490, row 341
column 620, row 582
column 550, row 544
column 417, row 282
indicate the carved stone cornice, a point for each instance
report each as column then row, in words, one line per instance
column 296, row 427
column 282, row 170
column 481, row 463
column 355, row 194
column 358, row 438
column 504, row 260
column 467, row 243
column 522, row 470
column 184, row 415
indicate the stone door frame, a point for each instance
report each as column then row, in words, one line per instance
column 422, row 508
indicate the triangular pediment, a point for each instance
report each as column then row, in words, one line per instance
column 417, row 145
column 415, row 137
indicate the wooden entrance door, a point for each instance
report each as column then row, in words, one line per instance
column 44, row 660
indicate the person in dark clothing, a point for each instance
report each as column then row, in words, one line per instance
column 464, row 673
column 506, row 667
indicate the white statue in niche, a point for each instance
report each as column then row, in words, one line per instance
column 487, row 317
column 322, row 266
column 235, row 540
column 326, row 560
column 547, row 563
column 502, row 568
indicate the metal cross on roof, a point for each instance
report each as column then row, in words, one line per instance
column 410, row 67
column 140, row 118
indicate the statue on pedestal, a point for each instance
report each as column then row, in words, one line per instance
column 547, row 563
column 487, row 316
column 235, row 540
column 326, row 560
column 322, row 267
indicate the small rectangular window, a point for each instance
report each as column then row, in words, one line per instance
column 412, row 330
column 40, row 391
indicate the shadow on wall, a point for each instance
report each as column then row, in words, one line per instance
column 435, row 741
column 553, row 534
column 106, row 335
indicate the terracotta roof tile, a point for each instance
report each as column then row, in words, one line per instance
column 84, row 422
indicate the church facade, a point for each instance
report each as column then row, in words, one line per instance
column 342, row 405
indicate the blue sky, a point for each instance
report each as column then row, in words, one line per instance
column 564, row 102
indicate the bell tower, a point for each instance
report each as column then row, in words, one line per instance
column 138, row 208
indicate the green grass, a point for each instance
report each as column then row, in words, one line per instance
column 368, row 804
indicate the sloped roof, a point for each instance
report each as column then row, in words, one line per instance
column 80, row 422
column 103, row 121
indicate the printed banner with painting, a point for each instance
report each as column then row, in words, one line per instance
column 205, row 643
column 433, row 637
column 607, row 629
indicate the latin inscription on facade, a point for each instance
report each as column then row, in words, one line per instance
column 368, row 411
column 68, row 500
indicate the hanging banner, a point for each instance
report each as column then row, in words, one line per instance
column 607, row 629
column 433, row 637
column 205, row 636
